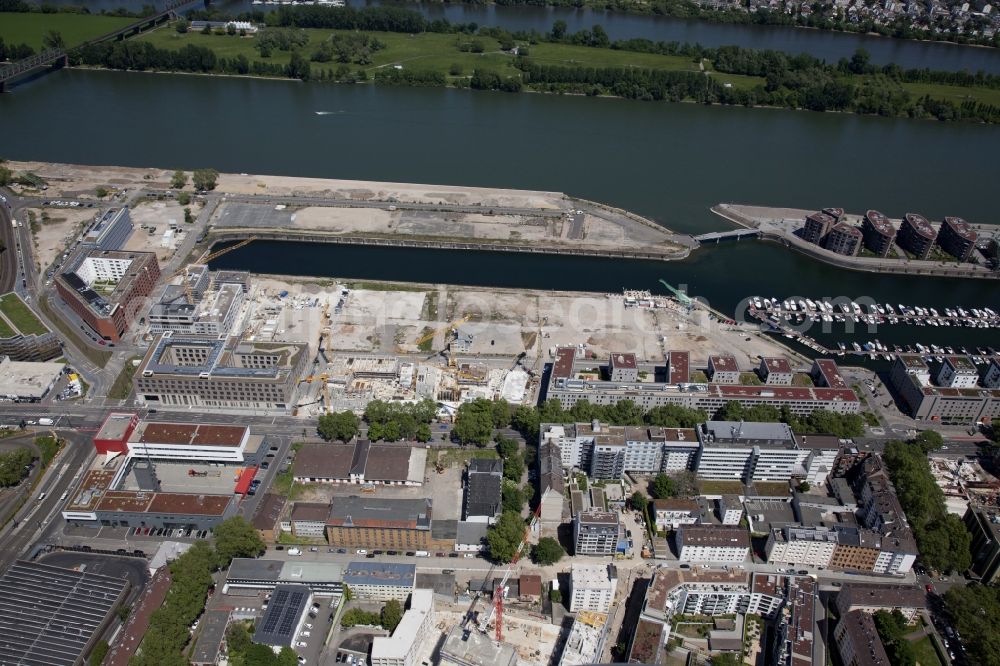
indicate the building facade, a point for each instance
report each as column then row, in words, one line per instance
column 380, row 581
column 916, row 236
column 845, row 239
column 878, row 233
column 596, row 532
column 380, row 523
column 401, row 648
column 957, row 238
column 712, row 544
column 592, row 587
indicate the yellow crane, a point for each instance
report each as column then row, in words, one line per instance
column 205, row 258
column 453, row 325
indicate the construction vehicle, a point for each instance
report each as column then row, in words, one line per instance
column 194, row 472
column 207, row 257
column 683, row 298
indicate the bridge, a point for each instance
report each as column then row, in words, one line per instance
column 60, row 57
column 735, row 234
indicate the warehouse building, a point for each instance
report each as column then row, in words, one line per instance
column 27, row 381
column 249, row 576
column 379, row 523
column 54, row 616
column 107, row 288
column 199, row 371
column 361, row 462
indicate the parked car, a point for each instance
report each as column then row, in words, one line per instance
column 361, row 551
column 294, row 551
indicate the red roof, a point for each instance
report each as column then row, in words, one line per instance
column 563, row 365
column 680, row 362
column 243, row 485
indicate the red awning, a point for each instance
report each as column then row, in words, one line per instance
column 243, row 485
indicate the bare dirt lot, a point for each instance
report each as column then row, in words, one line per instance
column 55, row 229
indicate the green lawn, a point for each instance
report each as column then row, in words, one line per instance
column 925, row 653
column 955, row 94
column 75, row 28
column 5, row 330
column 717, row 487
column 20, row 316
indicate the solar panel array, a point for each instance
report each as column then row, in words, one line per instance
column 48, row 614
column 282, row 616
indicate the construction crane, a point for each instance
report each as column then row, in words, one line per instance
column 498, row 594
column 430, row 336
column 681, row 296
column 205, row 258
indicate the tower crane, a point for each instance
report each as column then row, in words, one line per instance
column 430, row 336
column 497, row 606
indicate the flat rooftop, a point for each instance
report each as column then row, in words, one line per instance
column 28, row 379
column 880, row 223
column 777, row 364
column 679, row 367
column 962, row 364
column 920, row 225
column 724, row 363
column 380, row 573
column 284, row 612
column 961, row 228
column 720, row 537
column 187, row 434
column 244, row 568
column 116, row 426
column 137, row 501
column 475, row 649
column 562, row 366
column 623, row 360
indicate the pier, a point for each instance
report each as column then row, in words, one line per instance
column 735, row 234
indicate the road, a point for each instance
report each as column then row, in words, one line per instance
column 38, row 520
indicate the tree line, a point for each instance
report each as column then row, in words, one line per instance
column 942, row 539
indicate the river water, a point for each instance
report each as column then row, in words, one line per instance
column 669, row 162
column 830, row 46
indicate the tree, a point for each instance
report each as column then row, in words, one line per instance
column 975, row 611
column 183, row 198
column 503, row 537
column 555, row 596
column 391, row 614
column 891, row 629
column 53, row 39
column 558, row 30
column 638, row 502
column 662, row 487
column 547, row 551
column 299, row 67
column 338, row 425
column 178, row 180
column 188, row 216
column 13, row 466
column 235, row 537
column 423, row 433
column 100, row 651
column 204, row 180
column 101, row 192
column 929, row 440
column 726, row 659
column 804, row 487
column 182, row 26
column 474, row 422
column 513, row 499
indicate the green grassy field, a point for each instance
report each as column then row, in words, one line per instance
column 955, row 94
column 20, row 315
column 925, row 653
column 5, row 330
column 74, row 28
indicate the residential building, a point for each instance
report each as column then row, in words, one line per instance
column 192, row 308
column 596, row 532
column 607, row 458
column 909, row 600
column 672, row 513
column 530, row 588
column 110, row 231
column 568, row 388
column 105, row 289
column 371, row 522
column 805, row 546
column 678, row 367
column 185, row 372
column 817, row 226
column 858, row 642
column 730, row 509
column 723, row 370
column 957, row 238
column 623, row 368
column 400, row 649
column 878, row 233
column 916, row 236
column 35, row 342
column 795, row 625
column 910, row 377
column 776, row 371
column 380, row 581
column 745, row 451
column 712, row 544
column 483, row 490
column 983, row 523
column 958, row 372
column 845, row 239
column 647, row 450
column 992, row 377
column 309, row 519
column 361, row 462
column 268, row 513
column 585, row 639
column 592, row 587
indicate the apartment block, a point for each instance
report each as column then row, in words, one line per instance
column 106, row 288
column 402, row 647
column 592, row 587
column 909, row 600
column 712, row 544
column 623, row 368
column 963, row 403
column 916, row 236
column 596, row 532
column 807, row 546
column 380, row 581
column 957, row 238
column 958, row 372
column 669, row 514
column 730, row 509
column 776, row 371
column 723, row 370
column 845, row 239
column 858, row 641
column 817, row 226
column 878, row 233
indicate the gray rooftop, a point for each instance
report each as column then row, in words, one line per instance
column 49, row 615
column 470, row 533
column 721, row 433
column 357, row 511
column 380, row 573
column 284, row 611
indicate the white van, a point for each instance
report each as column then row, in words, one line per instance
column 62, row 498
column 294, row 551
column 42, row 496
column 422, row 553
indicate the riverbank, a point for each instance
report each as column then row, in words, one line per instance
column 493, row 60
column 355, row 212
column 781, row 225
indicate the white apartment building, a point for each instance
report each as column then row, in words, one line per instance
column 674, row 512
column 811, row 546
column 730, row 509
column 724, row 462
column 592, row 587
column 702, row 543
column 401, row 648
column 103, row 269
column 958, row 372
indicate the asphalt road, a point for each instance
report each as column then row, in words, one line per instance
column 38, row 519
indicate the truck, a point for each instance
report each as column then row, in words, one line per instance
column 45, row 421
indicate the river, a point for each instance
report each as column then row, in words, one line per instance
column 825, row 44
column 669, row 162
